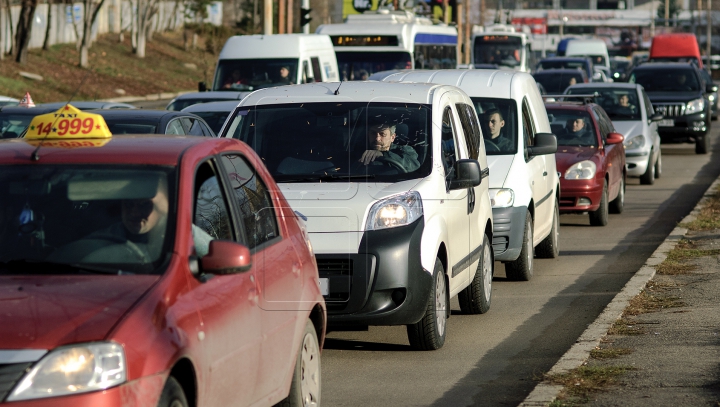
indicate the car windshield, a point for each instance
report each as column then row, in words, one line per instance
column 214, row 119
column 502, row 50
column 498, row 122
column 557, row 82
column 666, row 80
column 252, row 74
column 325, row 142
column 13, row 125
column 121, row 126
column 572, row 127
column 619, row 103
column 81, row 219
column 358, row 66
column 561, row 64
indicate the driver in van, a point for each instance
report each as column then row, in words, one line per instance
column 381, row 137
column 285, row 75
column 496, row 122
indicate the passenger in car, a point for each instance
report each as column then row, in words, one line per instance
column 381, row 137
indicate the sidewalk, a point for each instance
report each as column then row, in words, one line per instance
column 658, row 342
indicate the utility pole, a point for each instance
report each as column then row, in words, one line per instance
column 281, row 16
column 667, row 13
column 652, row 19
column 290, row 17
column 267, row 17
column 461, row 29
column 468, row 28
column 708, row 39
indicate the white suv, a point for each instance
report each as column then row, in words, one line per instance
column 524, row 184
column 389, row 178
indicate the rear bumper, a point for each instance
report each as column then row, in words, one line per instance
column 573, row 194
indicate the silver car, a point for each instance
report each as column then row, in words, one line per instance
column 633, row 116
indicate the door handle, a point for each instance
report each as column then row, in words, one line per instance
column 544, row 173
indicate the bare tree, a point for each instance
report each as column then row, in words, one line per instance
column 146, row 9
column 91, row 9
column 10, row 25
column 46, row 42
column 24, row 30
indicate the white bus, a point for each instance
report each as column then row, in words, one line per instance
column 501, row 46
column 384, row 40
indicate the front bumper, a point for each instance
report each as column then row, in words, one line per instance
column 637, row 162
column 508, row 230
column 384, row 284
column 574, row 195
column 689, row 128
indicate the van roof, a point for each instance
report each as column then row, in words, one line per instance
column 480, row 82
column 368, row 91
column 675, row 45
column 272, row 46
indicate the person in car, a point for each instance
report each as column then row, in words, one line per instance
column 495, row 122
column 285, row 75
column 624, row 105
column 575, row 133
column 381, row 137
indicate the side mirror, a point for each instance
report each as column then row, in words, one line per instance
column 226, row 257
column 467, row 175
column 597, row 76
column 712, row 88
column 656, row 117
column 614, row 138
column 545, row 143
column 202, row 87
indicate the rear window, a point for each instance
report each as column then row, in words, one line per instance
column 666, row 80
column 557, row 82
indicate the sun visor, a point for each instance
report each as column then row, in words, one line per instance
column 102, row 186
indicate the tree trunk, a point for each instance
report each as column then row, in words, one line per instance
column 46, row 42
column 24, row 30
column 140, row 44
column 10, row 24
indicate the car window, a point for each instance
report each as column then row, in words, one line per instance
column 211, row 218
column 449, row 152
column 666, row 80
column 498, row 121
column 619, row 103
column 528, row 125
column 572, row 127
column 470, row 127
column 193, row 126
column 317, row 73
column 207, row 131
column 257, row 212
column 648, row 105
column 175, row 127
column 604, row 123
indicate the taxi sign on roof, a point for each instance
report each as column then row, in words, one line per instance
column 68, row 122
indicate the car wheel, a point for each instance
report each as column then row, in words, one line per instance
column 649, row 177
column 522, row 268
column 600, row 216
column 549, row 248
column 658, row 165
column 172, row 394
column 306, row 384
column 617, row 205
column 475, row 298
column 701, row 145
column 429, row 332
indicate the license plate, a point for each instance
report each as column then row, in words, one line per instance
column 666, row 123
column 324, row 286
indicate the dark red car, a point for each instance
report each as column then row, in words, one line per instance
column 151, row 271
column 590, row 159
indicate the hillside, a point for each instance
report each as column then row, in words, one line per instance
column 166, row 68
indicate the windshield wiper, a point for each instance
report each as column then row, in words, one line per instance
column 41, row 267
column 329, row 177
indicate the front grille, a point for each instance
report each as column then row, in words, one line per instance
column 9, row 376
column 335, row 267
column 670, row 110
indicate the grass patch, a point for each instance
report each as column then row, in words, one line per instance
column 674, row 268
column 684, row 254
column 625, row 326
column 685, row 250
column 580, row 383
column 709, row 216
column 609, row 353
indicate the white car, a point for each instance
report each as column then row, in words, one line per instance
column 524, row 184
column 390, row 179
column 633, row 116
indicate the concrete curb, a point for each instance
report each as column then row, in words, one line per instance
column 545, row 393
column 153, row 96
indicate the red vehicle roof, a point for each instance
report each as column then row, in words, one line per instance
column 121, row 149
column 675, row 45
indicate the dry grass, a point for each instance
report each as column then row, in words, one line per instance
column 580, row 383
column 709, row 216
column 609, row 353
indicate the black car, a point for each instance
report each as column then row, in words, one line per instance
column 122, row 121
column 713, row 96
column 678, row 91
column 555, row 81
column 583, row 63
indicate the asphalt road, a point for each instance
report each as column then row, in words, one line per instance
column 493, row 359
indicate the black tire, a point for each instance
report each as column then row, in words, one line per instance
column 429, row 333
column 172, row 394
column 649, row 177
column 476, row 298
column 549, row 248
column 658, row 165
column 521, row 269
column 306, row 382
column 600, row 216
column 702, row 144
column 618, row 204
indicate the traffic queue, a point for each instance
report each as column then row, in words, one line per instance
column 204, row 265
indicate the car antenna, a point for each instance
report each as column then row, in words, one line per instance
column 35, row 156
column 337, row 91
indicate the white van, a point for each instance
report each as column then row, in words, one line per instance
column 596, row 49
column 390, row 181
column 524, row 183
column 251, row 62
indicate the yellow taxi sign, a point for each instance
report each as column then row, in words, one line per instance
column 68, row 123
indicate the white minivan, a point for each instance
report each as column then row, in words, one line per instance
column 390, row 180
column 524, row 184
column 251, row 62
column 595, row 49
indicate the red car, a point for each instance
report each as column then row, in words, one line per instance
column 590, row 159
column 151, row 271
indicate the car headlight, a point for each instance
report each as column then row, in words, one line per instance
column 501, row 198
column 73, row 370
column 582, row 170
column 634, row 142
column 694, row 106
column 398, row 210
column 712, row 96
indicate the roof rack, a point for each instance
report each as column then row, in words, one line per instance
column 585, row 99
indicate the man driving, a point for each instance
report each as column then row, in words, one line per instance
column 381, row 137
column 496, row 122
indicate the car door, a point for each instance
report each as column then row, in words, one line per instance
column 228, row 305
column 614, row 153
column 277, row 266
column 455, row 203
column 652, row 126
column 538, row 176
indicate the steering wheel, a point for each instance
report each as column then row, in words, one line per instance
column 490, row 146
column 130, row 246
column 392, row 163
